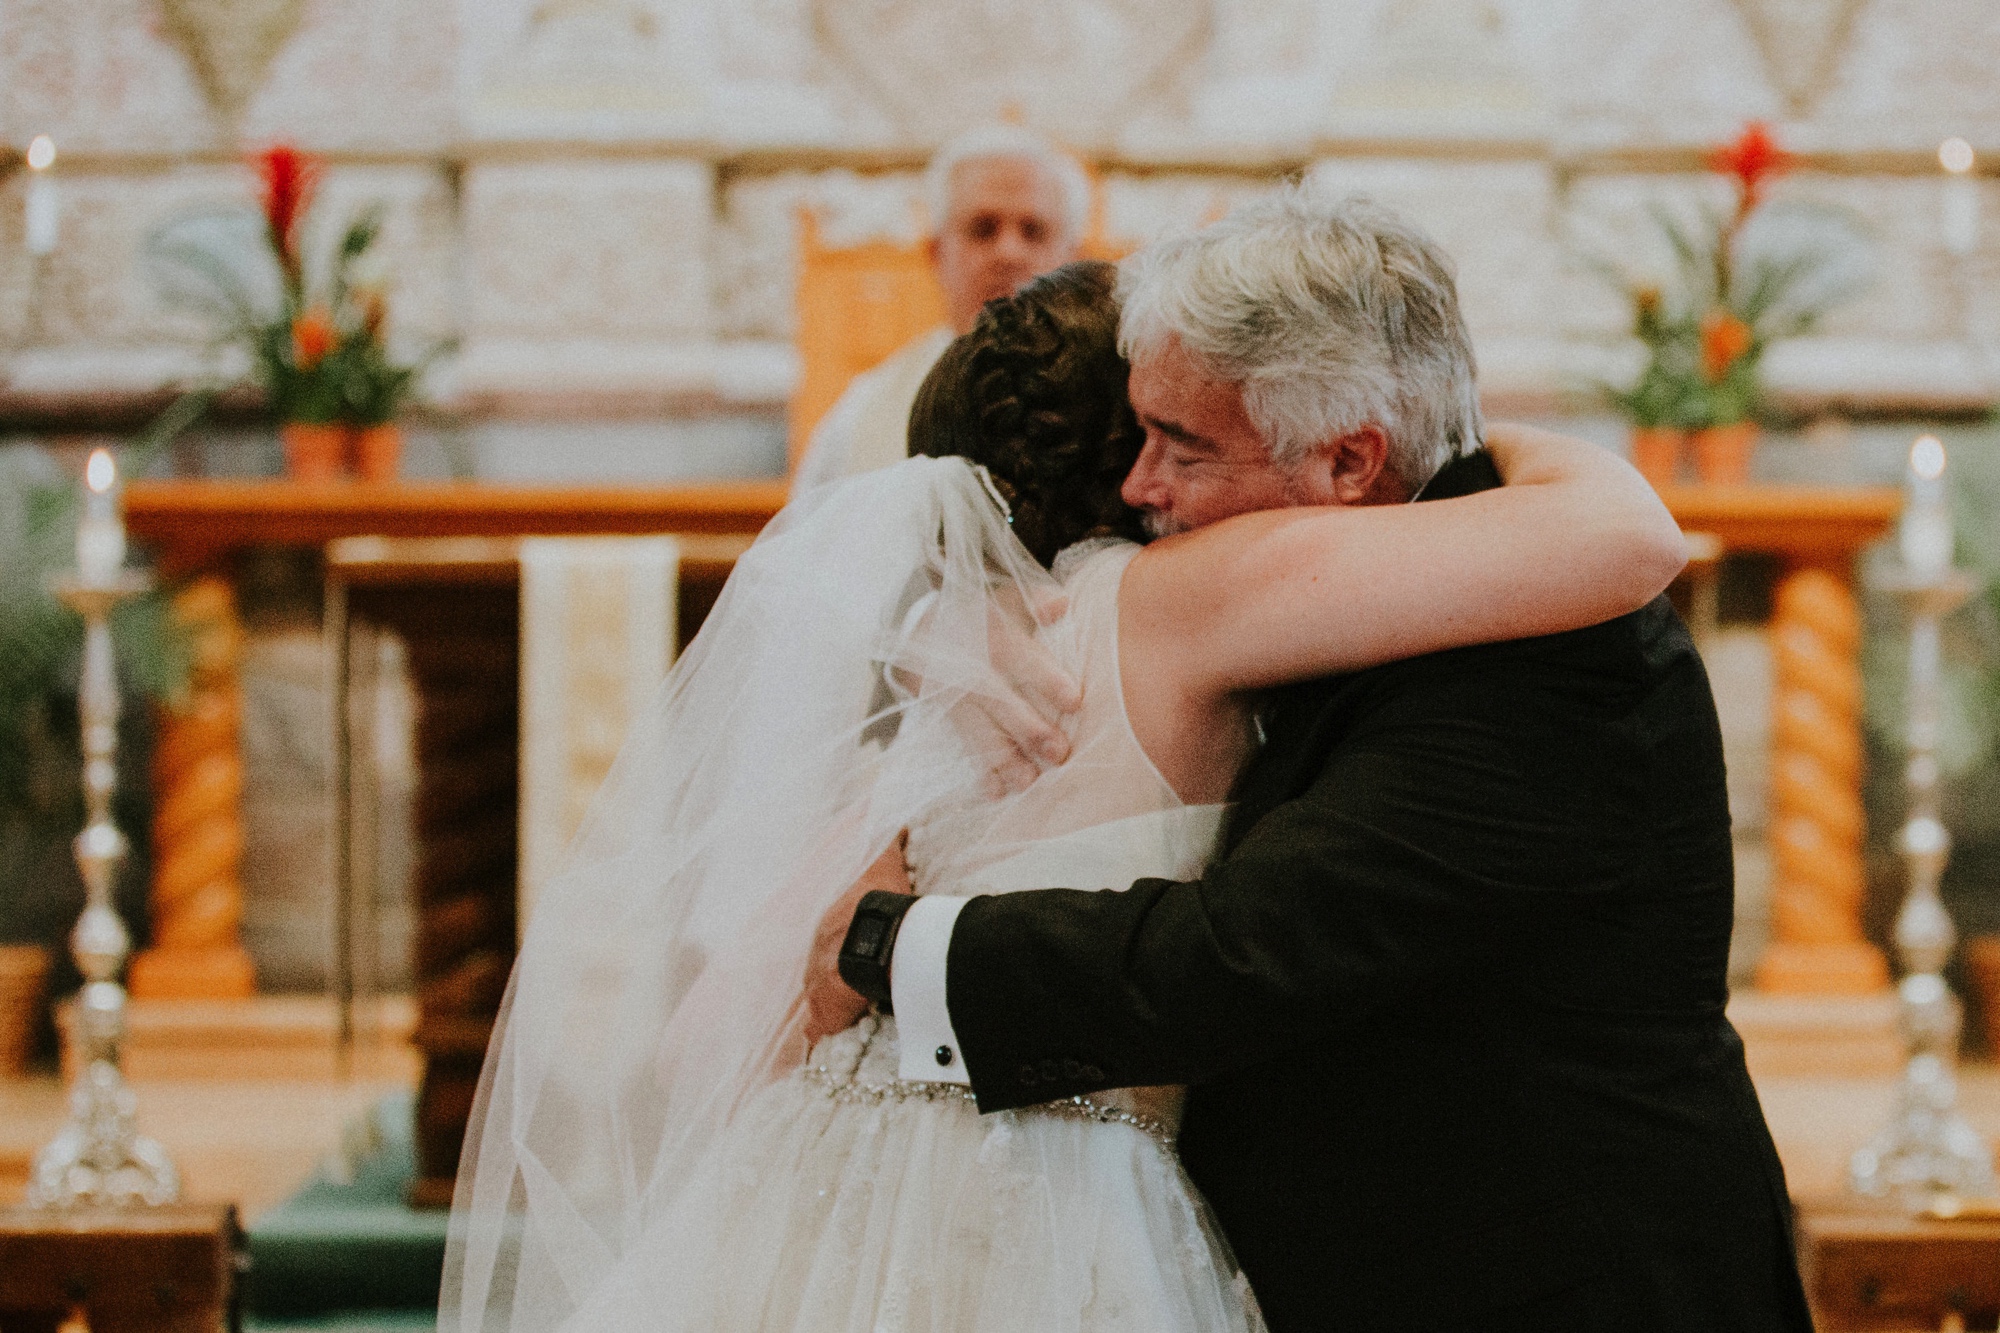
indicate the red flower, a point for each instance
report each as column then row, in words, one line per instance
column 287, row 177
column 313, row 336
column 1724, row 338
column 1752, row 159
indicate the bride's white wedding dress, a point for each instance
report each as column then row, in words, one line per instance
column 844, row 1199
column 654, row 1149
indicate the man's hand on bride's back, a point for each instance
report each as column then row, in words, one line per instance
column 1018, row 729
column 831, row 1004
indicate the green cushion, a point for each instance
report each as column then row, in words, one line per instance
column 347, row 1242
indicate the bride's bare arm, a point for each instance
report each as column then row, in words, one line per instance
column 1574, row 538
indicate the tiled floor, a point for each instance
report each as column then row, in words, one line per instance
column 248, row 1143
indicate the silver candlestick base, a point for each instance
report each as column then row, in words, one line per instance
column 1927, row 1149
column 99, row 1157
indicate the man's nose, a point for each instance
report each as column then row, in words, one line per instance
column 1143, row 488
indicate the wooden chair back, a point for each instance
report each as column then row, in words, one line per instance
column 858, row 304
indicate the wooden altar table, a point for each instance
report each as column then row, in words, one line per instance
column 195, row 525
column 438, row 562
column 455, row 603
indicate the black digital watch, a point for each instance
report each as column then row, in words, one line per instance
column 871, row 942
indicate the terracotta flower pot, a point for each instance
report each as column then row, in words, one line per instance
column 24, row 970
column 315, row 451
column 1656, row 452
column 1722, row 453
column 377, row 451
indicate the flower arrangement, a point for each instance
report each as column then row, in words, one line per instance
column 1741, row 278
column 316, row 338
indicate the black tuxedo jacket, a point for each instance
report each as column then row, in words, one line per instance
column 1450, row 1002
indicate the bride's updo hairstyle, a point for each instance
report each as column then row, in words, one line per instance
column 1036, row 393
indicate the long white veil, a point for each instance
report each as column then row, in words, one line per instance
column 658, row 985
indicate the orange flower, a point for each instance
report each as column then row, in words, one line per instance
column 1724, row 338
column 313, row 337
column 1752, row 159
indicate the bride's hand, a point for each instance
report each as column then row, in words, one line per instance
column 1014, row 727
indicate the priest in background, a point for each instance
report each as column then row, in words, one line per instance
column 1007, row 206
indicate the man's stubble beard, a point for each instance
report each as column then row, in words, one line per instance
column 1158, row 523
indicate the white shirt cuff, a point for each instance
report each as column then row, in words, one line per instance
column 929, row 1047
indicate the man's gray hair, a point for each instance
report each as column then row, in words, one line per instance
column 1013, row 144
column 1330, row 314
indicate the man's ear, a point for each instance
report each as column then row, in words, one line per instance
column 1354, row 469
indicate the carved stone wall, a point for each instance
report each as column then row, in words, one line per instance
column 599, row 197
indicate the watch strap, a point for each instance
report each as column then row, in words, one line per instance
column 871, row 943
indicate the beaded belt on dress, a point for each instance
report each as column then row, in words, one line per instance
column 847, row 1087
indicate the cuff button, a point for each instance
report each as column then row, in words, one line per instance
column 944, row 1057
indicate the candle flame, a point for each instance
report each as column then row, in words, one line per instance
column 101, row 471
column 1927, row 457
column 1955, row 156
column 41, row 153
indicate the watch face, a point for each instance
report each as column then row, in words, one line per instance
column 867, row 936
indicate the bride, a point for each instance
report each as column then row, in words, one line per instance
column 658, row 1145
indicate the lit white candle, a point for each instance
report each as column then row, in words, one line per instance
column 44, row 210
column 1961, row 197
column 100, row 533
column 1925, row 535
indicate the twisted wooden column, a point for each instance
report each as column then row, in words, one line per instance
column 1817, row 946
column 197, row 898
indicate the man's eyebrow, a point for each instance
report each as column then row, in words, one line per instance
column 1176, row 432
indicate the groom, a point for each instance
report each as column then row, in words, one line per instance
column 1450, row 1001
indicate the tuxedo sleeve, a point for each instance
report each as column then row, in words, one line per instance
column 1392, row 868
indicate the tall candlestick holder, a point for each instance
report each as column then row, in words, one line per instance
column 1927, row 1149
column 99, row 1157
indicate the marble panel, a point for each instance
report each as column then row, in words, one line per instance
column 645, row 377
column 1142, row 209
column 1079, row 70
column 1914, row 72
column 94, row 288
column 1259, row 88
column 589, row 248
column 100, row 76
column 1495, row 219
column 757, row 237
column 597, row 70
column 17, row 266
column 1632, row 71
column 1914, row 295
column 90, row 315
column 369, row 75
column 1910, row 298
column 1898, row 74
column 1439, row 68
column 288, row 897
column 416, row 256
